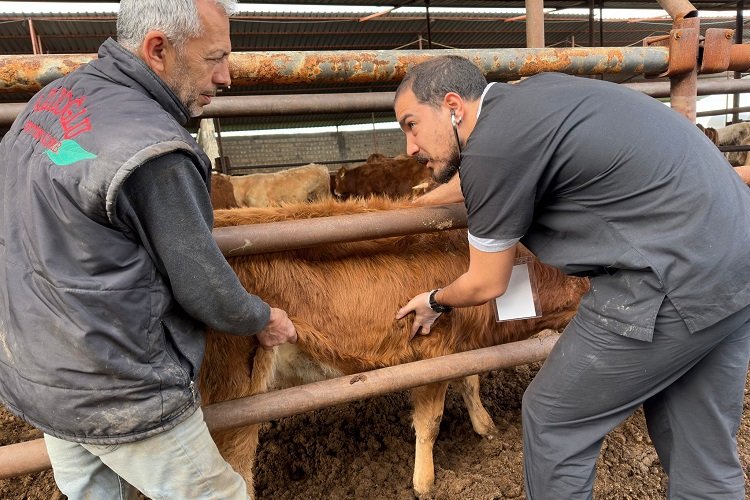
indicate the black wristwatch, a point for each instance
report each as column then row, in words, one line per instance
column 438, row 308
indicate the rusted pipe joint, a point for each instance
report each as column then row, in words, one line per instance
column 715, row 56
column 683, row 42
column 739, row 57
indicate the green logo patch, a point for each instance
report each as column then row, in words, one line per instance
column 68, row 153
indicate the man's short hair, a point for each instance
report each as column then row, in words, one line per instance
column 177, row 19
column 432, row 79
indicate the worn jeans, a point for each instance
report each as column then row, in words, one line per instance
column 691, row 387
column 182, row 463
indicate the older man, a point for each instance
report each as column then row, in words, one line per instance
column 108, row 269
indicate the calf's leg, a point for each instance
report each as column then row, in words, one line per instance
column 429, row 401
column 238, row 446
column 481, row 421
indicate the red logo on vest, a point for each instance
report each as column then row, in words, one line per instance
column 68, row 109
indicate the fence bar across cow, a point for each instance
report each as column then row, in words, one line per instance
column 31, row 456
column 286, row 235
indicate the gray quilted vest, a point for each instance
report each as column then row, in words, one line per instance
column 93, row 347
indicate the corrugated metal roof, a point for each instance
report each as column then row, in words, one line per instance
column 309, row 31
column 610, row 4
column 61, row 33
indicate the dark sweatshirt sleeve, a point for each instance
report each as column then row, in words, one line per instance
column 166, row 206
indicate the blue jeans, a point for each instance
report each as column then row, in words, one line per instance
column 178, row 464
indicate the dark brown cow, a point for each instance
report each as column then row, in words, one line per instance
column 398, row 177
column 342, row 299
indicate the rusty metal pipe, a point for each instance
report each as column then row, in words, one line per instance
column 286, row 235
column 705, row 87
column 300, row 104
column 308, row 397
column 678, row 9
column 739, row 57
column 9, row 112
column 30, row 73
column 31, row 456
column 23, row 458
column 251, row 68
column 22, row 73
column 727, row 111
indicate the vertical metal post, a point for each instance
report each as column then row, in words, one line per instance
column 683, row 56
column 601, row 28
column 738, row 39
column 684, row 86
column 35, row 45
column 535, row 24
column 591, row 23
column 683, row 93
column 375, row 145
column 429, row 28
column 601, row 25
column 222, row 166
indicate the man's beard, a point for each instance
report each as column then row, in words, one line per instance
column 184, row 88
column 450, row 169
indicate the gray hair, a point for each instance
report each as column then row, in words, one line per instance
column 177, row 19
column 432, row 79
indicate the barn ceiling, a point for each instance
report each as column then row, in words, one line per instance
column 616, row 4
column 263, row 30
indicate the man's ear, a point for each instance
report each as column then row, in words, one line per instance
column 455, row 102
column 154, row 51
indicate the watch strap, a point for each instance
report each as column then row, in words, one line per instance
column 438, row 308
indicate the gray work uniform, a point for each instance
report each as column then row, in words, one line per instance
column 602, row 181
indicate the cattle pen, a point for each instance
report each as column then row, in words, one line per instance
column 679, row 57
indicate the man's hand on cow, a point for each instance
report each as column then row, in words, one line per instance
column 279, row 330
column 424, row 315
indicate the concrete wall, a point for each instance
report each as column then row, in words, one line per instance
column 310, row 148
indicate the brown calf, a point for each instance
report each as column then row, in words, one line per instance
column 342, row 299
column 222, row 192
column 302, row 184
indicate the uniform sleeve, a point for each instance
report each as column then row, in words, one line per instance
column 499, row 201
column 503, row 166
column 166, row 206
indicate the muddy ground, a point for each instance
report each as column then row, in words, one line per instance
column 364, row 450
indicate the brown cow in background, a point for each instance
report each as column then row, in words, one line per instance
column 398, row 177
column 302, row 184
column 222, row 192
column 342, row 299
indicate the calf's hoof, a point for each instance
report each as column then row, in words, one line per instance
column 424, row 492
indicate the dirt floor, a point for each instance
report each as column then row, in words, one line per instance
column 365, row 450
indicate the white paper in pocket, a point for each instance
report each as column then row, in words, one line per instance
column 520, row 300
